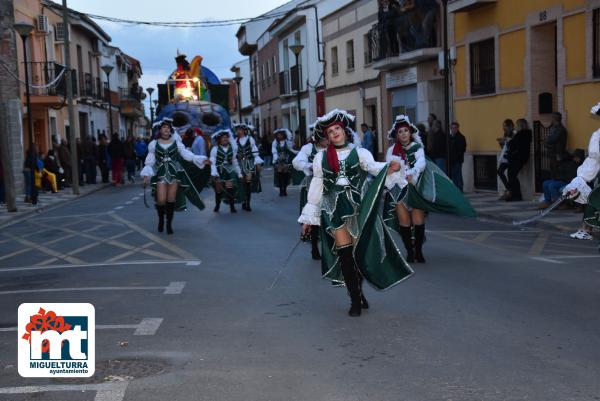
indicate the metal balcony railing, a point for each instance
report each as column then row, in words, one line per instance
column 45, row 73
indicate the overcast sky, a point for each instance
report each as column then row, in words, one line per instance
column 156, row 47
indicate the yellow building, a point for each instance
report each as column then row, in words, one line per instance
column 523, row 59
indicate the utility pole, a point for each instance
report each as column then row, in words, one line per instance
column 446, row 87
column 8, row 89
column 72, row 125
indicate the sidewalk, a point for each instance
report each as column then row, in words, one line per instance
column 488, row 206
column 45, row 201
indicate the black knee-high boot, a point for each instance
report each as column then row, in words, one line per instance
column 231, row 196
column 217, row 201
column 363, row 300
column 314, row 241
column 280, row 183
column 170, row 211
column 351, row 278
column 286, row 181
column 419, row 239
column 246, row 205
column 160, row 210
column 405, row 233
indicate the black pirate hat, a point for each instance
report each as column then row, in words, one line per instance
column 335, row 116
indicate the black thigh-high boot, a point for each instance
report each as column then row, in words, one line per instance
column 314, row 241
column 419, row 239
column 170, row 211
column 231, row 196
column 363, row 300
column 286, row 181
column 280, row 183
column 160, row 210
column 351, row 278
column 405, row 233
column 248, row 196
column 217, row 201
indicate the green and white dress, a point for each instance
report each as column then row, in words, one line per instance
column 587, row 183
column 172, row 163
column 302, row 164
column 283, row 154
column 347, row 198
column 248, row 158
column 225, row 167
column 429, row 188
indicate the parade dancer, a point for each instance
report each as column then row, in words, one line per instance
column 408, row 151
column 418, row 187
column 303, row 162
column 283, row 153
column 355, row 241
column 249, row 161
column 170, row 181
column 581, row 190
column 225, row 169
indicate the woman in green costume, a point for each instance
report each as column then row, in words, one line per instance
column 225, row 170
column 355, row 241
column 249, row 161
column 283, row 153
column 419, row 187
column 170, row 181
column 588, row 177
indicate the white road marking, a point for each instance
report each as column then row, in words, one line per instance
column 45, row 250
column 101, row 264
column 194, row 263
column 129, row 203
column 148, row 326
column 119, row 207
column 144, row 323
column 113, row 391
column 174, row 288
column 548, row 260
column 576, row 257
column 481, row 231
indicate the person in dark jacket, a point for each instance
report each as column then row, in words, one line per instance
column 64, row 158
column 436, row 141
column 565, row 172
column 51, row 165
column 517, row 155
column 458, row 147
column 102, row 158
column 90, row 155
column 116, row 151
column 80, row 164
column 130, row 158
column 556, row 142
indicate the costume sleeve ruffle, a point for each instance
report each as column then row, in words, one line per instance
column 580, row 185
column 190, row 156
column 311, row 213
column 213, row 160
column 367, row 162
column 148, row 170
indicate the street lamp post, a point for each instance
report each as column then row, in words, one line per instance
column 296, row 49
column 238, row 79
column 107, row 70
column 150, row 90
column 24, row 29
column 446, row 86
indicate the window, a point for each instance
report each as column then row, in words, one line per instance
column 59, row 32
column 334, row 60
column 483, row 67
column 596, row 43
column 297, row 37
column 368, row 48
column 350, row 55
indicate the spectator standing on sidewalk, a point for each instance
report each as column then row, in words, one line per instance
column 130, row 158
column 565, row 172
column 103, row 158
column 81, row 165
column 141, row 150
column 265, row 149
column 556, row 141
column 458, row 147
column 518, row 156
column 116, row 151
column 64, row 158
column 367, row 139
column 90, row 154
column 199, row 145
column 436, row 140
column 509, row 130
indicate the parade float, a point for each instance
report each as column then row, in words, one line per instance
column 194, row 97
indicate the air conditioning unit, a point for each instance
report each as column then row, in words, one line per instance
column 59, row 32
column 42, row 23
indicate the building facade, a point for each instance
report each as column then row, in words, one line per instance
column 518, row 59
column 352, row 82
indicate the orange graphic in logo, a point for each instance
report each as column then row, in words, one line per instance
column 44, row 321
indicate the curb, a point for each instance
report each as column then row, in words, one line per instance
column 44, row 208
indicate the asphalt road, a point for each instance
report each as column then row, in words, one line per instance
column 230, row 308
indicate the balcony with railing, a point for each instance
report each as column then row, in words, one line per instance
column 290, row 81
column 48, row 79
column 131, row 102
column 404, row 36
column 457, row 6
column 88, row 86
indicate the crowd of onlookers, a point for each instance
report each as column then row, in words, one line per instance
column 52, row 171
